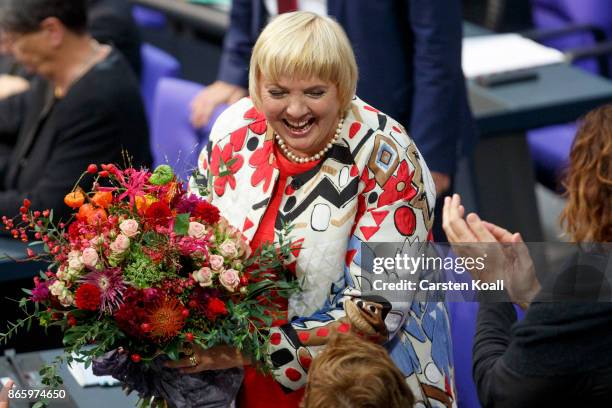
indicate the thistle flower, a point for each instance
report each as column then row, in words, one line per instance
column 111, row 285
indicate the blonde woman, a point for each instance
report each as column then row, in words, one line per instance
column 305, row 150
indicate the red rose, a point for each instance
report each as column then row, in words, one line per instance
column 207, row 212
column 215, row 308
column 87, row 297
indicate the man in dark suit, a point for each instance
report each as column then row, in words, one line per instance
column 409, row 58
column 83, row 106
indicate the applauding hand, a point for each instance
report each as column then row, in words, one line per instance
column 507, row 256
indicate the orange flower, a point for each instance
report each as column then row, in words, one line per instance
column 75, row 199
column 102, row 199
column 84, row 212
column 91, row 215
column 143, row 202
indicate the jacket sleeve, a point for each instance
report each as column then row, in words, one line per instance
column 237, row 45
column 400, row 211
column 491, row 341
column 12, row 112
column 438, row 81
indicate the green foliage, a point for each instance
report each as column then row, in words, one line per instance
column 181, row 224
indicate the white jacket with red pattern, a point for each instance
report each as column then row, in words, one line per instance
column 372, row 186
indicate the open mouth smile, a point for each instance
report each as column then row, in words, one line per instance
column 299, row 128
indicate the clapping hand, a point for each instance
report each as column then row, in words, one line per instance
column 507, row 256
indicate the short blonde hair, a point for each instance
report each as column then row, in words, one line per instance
column 354, row 373
column 304, row 45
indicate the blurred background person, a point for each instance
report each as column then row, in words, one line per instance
column 109, row 22
column 559, row 354
column 83, row 106
column 409, row 58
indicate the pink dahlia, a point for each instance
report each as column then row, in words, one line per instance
column 111, row 286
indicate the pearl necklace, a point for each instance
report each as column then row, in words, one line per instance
column 295, row 158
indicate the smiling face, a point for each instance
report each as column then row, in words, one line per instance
column 304, row 112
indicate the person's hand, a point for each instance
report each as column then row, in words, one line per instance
column 12, row 85
column 507, row 256
column 205, row 102
column 215, row 358
column 4, row 399
column 442, row 182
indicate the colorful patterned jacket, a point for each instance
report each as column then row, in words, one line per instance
column 372, row 186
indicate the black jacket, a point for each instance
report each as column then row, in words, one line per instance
column 559, row 355
column 100, row 116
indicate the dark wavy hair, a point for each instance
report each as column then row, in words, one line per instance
column 587, row 217
column 25, row 16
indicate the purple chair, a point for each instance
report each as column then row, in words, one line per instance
column 462, row 317
column 575, row 24
column 568, row 25
column 174, row 140
column 148, row 18
column 156, row 64
column 550, row 148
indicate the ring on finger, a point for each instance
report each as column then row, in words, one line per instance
column 194, row 360
column 188, row 350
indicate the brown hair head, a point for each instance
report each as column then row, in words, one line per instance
column 587, row 216
column 353, row 373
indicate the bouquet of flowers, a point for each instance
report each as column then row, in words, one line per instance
column 142, row 271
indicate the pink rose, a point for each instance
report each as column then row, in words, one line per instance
column 244, row 248
column 120, row 244
column 203, row 276
column 90, row 257
column 216, row 262
column 75, row 263
column 129, row 227
column 228, row 249
column 196, row 230
column 230, row 279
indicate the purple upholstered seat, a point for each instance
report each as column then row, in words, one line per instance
column 148, row 18
column 156, row 64
column 549, row 14
column 550, row 146
column 174, row 140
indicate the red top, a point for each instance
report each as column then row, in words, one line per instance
column 262, row 391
